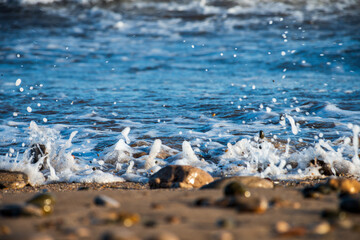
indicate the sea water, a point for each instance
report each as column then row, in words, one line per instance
column 97, row 82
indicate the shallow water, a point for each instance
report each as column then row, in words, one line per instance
column 208, row 72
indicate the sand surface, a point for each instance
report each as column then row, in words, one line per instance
column 171, row 210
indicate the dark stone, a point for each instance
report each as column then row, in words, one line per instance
column 236, row 189
column 350, row 204
column 247, row 181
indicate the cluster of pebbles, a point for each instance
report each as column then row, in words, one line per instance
column 237, row 193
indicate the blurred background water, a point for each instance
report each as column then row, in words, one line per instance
column 210, row 71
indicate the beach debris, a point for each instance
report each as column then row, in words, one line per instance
column 247, row 181
column 227, row 223
column 350, row 203
column 177, row 176
column 13, row 180
column 236, row 189
column 44, row 201
column 222, row 235
column 321, row 228
column 103, row 200
column 119, row 234
column 282, row 227
column 4, row 230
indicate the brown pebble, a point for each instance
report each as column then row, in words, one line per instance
column 5, row 230
column 294, row 232
column 163, row 236
column 41, row 236
column 282, row 227
column 222, row 235
column 139, row 154
column 173, row 219
column 157, row 206
column 322, row 228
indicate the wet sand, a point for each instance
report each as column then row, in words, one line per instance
column 76, row 216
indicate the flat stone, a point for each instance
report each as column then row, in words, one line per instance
column 176, row 176
column 250, row 182
column 102, row 200
column 13, row 180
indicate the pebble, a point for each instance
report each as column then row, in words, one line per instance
column 280, row 203
column 102, row 200
column 236, row 189
column 44, row 201
column 119, row 234
column 13, row 180
column 246, row 181
column 227, row 223
column 255, row 205
column 350, row 204
column 164, row 236
column 173, row 219
column 4, row 230
column 203, row 202
column 177, row 176
column 322, row 228
column 345, row 186
column 123, row 218
column 222, row 235
column 294, row 232
column 282, row 227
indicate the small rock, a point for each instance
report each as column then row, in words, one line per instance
column 255, row 205
column 102, row 200
column 139, row 154
column 173, row 219
column 226, row 223
column 33, row 210
column 13, row 180
column 250, row 182
column 322, row 228
column 119, row 234
column 294, row 232
column 281, row 203
column 123, row 218
column 44, row 201
column 163, row 236
column 150, row 223
column 222, row 235
column 346, row 186
column 203, row 202
column 317, row 191
column 332, row 214
column 4, row 230
column 179, row 177
column 11, row 210
column 236, row 189
column 282, row 227
column 350, row 204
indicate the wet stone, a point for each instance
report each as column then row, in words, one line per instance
column 176, row 176
column 282, row 227
column 345, row 186
column 322, row 228
column 236, row 189
column 122, row 218
column 4, row 230
column 333, row 214
column 37, row 151
column 250, row 182
column 13, row 180
column 254, row 205
column 102, row 200
column 294, row 232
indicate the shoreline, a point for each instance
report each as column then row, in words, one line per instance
column 173, row 211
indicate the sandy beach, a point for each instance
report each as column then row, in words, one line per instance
column 174, row 211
